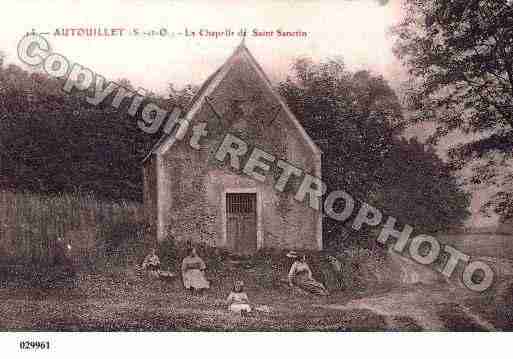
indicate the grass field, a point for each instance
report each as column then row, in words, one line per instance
column 30, row 225
column 379, row 292
column 126, row 300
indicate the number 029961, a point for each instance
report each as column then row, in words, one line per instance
column 34, row 345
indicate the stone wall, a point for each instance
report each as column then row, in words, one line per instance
column 192, row 183
column 150, row 199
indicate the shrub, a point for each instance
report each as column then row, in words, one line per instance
column 169, row 254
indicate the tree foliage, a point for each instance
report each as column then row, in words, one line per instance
column 181, row 97
column 356, row 119
column 460, row 56
column 51, row 141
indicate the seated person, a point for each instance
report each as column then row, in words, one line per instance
column 237, row 300
column 193, row 274
column 152, row 261
column 62, row 260
column 300, row 275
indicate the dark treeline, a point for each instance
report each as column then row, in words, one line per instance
column 52, row 141
column 357, row 120
column 459, row 57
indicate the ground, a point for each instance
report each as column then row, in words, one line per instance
column 130, row 302
column 125, row 300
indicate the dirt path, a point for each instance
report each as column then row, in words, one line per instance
column 425, row 297
column 434, row 308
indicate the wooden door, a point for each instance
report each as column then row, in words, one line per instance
column 241, row 222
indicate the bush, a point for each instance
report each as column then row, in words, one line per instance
column 124, row 243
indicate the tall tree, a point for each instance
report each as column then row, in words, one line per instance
column 52, row 141
column 356, row 119
column 352, row 116
column 460, row 56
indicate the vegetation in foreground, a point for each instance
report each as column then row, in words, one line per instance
column 121, row 300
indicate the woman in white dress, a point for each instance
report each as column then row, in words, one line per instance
column 237, row 300
column 193, row 272
column 300, row 275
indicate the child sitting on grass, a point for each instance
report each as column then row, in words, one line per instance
column 237, row 300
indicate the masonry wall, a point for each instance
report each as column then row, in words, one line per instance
column 192, row 183
column 150, row 199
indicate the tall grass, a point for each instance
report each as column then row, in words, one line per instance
column 30, row 225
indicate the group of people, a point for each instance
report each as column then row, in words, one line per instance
column 193, row 269
column 194, row 278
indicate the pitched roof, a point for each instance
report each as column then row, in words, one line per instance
column 209, row 86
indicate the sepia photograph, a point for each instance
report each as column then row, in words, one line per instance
column 247, row 167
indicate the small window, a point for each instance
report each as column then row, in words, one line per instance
column 240, row 202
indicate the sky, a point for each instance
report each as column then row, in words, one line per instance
column 353, row 29
column 356, row 30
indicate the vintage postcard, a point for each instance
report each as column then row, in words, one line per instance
column 222, row 166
